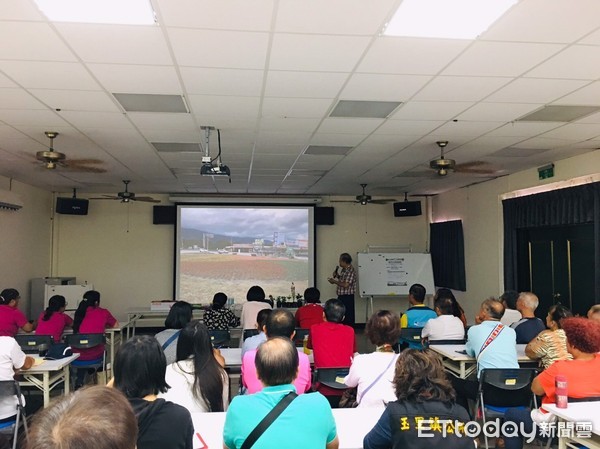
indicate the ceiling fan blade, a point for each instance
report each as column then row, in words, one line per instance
column 106, row 197
column 344, row 201
column 382, row 201
column 146, row 199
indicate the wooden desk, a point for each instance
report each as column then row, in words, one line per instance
column 49, row 374
column 464, row 365
column 352, row 426
column 578, row 412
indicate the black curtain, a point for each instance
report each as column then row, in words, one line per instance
column 570, row 206
column 448, row 255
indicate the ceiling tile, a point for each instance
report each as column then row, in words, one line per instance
column 363, row 86
column 295, row 107
column 574, row 131
column 410, row 56
column 307, row 125
column 149, row 120
column 222, row 81
column 349, row 125
column 304, row 84
column 575, row 62
column 225, row 49
column 49, row 75
column 523, row 129
column 460, row 88
column 316, row 52
column 20, row 117
column 123, row 44
column 500, row 58
column 18, row 99
column 535, row 90
column 20, row 10
column 32, row 41
column 137, row 79
column 408, row 127
column 430, row 110
column 463, row 128
column 84, row 100
column 85, row 120
column 221, row 106
column 497, row 111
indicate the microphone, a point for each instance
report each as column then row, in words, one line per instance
column 336, row 270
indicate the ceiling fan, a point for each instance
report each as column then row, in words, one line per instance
column 127, row 196
column 443, row 165
column 365, row 199
column 52, row 159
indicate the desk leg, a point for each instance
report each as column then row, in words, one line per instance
column 463, row 374
column 67, row 375
column 46, row 383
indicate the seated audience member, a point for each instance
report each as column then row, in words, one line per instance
column 254, row 341
column 11, row 318
column 417, row 314
column 140, row 368
column 218, row 317
column 307, row 422
column 551, row 345
column 12, row 359
column 333, row 344
column 509, row 301
column 594, row 312
column 255, row 301
column 373, row 373
column 446, row 326
column 423, row 392
column 179, row 316
column 528, row 327
column 492, row 343
column 583, row 343
column 90, row 318
column 197, row 379
column 280, row 323
column 312, row 312
column 457, row 310
column 92, row 418
column 54, row 319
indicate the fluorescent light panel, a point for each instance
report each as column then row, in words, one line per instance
column 121, row 12
column 454, row 19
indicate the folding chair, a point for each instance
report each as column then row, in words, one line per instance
column 331, row 377
column 220, row 338
column 34, row 344
column 411, row 336
column 249, row 333
column 427, row 342
column 299, row 336
column 502, row 388
column 87, row 341
column 10, row 388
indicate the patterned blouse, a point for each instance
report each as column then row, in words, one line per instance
column 549, row 346
column 220, row 319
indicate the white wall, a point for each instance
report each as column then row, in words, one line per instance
column 132, row 268
column 25, row 239
column 480, row 209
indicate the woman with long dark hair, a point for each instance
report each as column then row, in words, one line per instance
column 197, row 379
column 180, row 314
column 53, row 320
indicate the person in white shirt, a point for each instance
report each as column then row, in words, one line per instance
column 373, row 373
column 12, row 359
column 446, row 326
column 509, row 301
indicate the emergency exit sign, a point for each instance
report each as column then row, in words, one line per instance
column 545, row 172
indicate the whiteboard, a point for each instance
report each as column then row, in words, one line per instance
column 392, row 274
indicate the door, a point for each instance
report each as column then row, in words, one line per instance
column 557, row 264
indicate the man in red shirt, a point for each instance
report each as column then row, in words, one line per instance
column 333, row 343
column 312, row 312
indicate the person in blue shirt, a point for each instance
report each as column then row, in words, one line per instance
column 528, row 327
column 493, row 344
column 417, row 314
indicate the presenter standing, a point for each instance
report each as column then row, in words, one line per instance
column 346, row 285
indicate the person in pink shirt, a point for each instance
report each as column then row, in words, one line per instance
column 280, row 323
column 90, row 318
column 54, row 320
column 11, row 318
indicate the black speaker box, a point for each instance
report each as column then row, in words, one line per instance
column 71, row 206
column 164, row 215
column 324, row 215
column 407, row 209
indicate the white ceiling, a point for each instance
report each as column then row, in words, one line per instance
column 269, row 72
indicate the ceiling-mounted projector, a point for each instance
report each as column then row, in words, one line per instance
column 208, row 167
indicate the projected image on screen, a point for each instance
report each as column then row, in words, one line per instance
column 229, row 249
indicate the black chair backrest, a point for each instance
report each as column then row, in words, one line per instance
column 411, row 334
column 33, row 343
column 84, row 341
column 299, row 336
column 331, row 377
column 9, row 388
column 249, row 333
column 220, row 338
column 447, row 342
column 509, row 387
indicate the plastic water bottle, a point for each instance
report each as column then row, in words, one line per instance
column 305, row 345
column 561, row 392
column 293, row 290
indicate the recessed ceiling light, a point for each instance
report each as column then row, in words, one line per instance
column 454, row 19
column 122, row 12
column 364, row 109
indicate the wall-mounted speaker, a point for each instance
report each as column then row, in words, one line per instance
column 72, row 206
column 324, row 215
column 407, row 209
column 164, row 215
